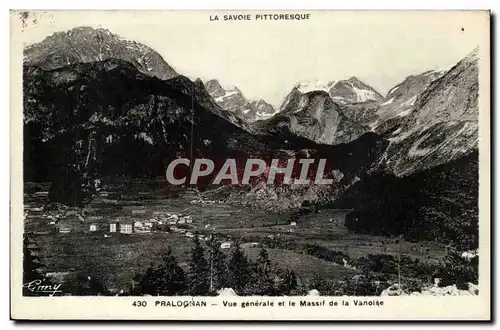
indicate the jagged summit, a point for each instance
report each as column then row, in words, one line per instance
column 86, row 44
column 233, row 101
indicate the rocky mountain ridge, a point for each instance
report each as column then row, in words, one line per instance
column 443, row 125
column 314, row 116
column 234, row 101
column 83, row 119
column 350, row 90
column 86, row 44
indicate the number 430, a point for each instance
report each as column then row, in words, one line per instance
column 140, row 303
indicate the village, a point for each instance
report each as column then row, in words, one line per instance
column 105, row 218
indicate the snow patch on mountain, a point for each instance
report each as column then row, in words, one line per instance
column 393, row 90
column 350, row 90
column 388, row 101
column 310, row 86
column 363, row 95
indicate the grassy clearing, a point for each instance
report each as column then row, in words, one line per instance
column 115, row 259
column 305, row 266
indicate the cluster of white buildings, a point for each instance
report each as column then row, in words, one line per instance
column 175, row 219
column 130, row 226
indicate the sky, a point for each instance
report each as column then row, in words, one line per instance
column 265, row 59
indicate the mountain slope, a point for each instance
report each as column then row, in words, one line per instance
column 353, row 90
column 434, row 204
column 105, row 119
column 425, row 185
column 313, row 116
column 261, row 110
column 86, row 44
column 443, row 125
column 401, row 99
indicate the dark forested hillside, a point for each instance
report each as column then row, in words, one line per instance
column 91, row 120
column 436, row 204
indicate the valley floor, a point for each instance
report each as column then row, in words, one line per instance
column 67, row 246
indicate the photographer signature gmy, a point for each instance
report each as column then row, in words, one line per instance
column 37, row 286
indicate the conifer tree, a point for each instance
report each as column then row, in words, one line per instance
column 199, row 272
column 263, row 277
column 288, row 284
column 217, row 266
column 145, row 283
column 167, row 279
column 87, row 285
column 171, row 278
column 238, row 271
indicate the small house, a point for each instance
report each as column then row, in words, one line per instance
column 64, row 228
column 126, row 227
column 225, row 245
column 95, row 218
column 189, row 234
column 110, row 201
column 93, row 227
column 69, row 224
column 293, row 224
column 143, row 227
column 173, row 217
column 112, row 227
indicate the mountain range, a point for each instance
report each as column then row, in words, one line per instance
column 97, row 106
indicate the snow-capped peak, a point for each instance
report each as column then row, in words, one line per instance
column 317, row 85
column 351, row 90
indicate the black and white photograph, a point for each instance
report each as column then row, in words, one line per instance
column 271, row 154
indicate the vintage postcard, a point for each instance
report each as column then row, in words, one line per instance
column 250, row 165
